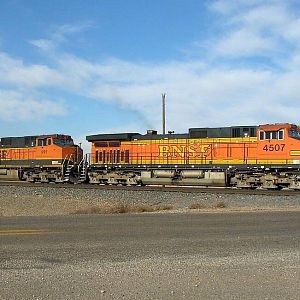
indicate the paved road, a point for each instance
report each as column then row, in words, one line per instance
column 151, row 256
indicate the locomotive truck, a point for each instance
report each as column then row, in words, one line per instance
column 264, row 156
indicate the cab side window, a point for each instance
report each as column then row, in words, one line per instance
column 261, row 135
column 42, row 142
column 271, row 135
column 280, row 134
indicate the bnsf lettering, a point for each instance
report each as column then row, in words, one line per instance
column 276, row 147
column 3, row 154
column 191, row 151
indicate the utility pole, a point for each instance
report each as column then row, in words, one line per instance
column 163, row 113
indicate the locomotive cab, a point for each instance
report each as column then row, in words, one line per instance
column 58, row 146
column 279, row 143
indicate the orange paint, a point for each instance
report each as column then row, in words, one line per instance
column 208, row 151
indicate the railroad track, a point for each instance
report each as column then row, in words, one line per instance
column 185, row 189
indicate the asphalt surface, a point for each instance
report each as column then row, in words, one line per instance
column 151, row 256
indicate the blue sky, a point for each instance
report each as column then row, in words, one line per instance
column 84, row 67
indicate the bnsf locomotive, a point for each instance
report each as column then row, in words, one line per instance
column 44, row 158
column 264, row 156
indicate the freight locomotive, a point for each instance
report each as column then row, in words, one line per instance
column 265, row 156
column 43, row 158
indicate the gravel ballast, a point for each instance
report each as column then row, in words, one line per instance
column 43, row 201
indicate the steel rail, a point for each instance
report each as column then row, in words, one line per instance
column 177, row 189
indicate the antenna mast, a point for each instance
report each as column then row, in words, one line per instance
column 163, row 96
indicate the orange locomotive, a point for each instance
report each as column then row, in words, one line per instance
column 244, row 156
column 44, row 158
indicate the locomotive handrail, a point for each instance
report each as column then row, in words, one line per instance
column 66, row 159
column 84, row 162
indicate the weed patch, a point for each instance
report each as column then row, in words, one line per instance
column 197, row 206
column 123, row 208
column 220, row 205
column 200, row 205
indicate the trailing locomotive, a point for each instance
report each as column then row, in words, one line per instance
column 44, row 158
column 265, row 156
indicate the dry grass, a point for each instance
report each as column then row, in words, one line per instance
column 123, row 208
column 200, row 205
column 197, row 206
column 220, row 204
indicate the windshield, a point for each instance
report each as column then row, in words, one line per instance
column 294, row 134
column 63, row 142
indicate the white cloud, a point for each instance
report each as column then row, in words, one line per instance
column 292, row 30
column 256, row 28
column 14, row 71
column 227, row 7
column 245, row 43
column 269, row 15
column 197, row 94
column 58, row 35
column 16, row 107
column 44, row 44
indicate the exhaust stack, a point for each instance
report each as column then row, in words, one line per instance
column 163, row 113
